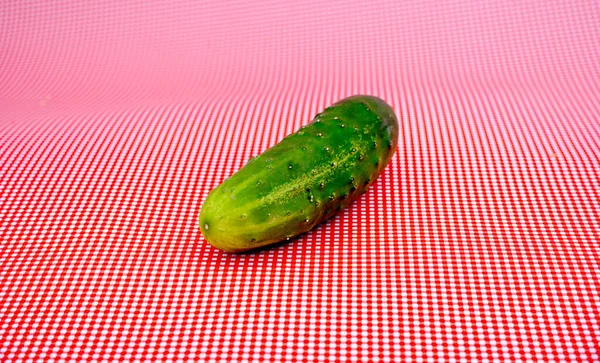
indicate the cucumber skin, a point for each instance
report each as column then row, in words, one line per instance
column 305, row 179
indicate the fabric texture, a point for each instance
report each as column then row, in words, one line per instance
column 479, row 242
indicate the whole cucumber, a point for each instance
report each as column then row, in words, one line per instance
column 303, row 180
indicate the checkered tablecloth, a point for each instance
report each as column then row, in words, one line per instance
column 479, row 243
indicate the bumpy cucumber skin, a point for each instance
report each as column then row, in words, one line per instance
column 305, row 179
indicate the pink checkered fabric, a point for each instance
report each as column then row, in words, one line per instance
column 479, row 243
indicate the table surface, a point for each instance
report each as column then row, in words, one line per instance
column 479, row 242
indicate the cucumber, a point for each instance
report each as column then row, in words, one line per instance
column 305, row 179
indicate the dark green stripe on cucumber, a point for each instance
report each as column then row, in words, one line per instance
column 305, row 179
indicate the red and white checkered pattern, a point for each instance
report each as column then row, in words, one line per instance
column 479, row 243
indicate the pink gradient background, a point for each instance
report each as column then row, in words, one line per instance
column 478, row 243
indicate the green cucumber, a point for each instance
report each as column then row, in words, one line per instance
column 305, row 179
